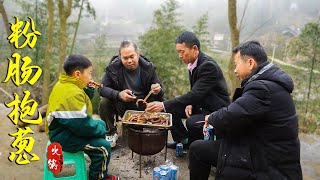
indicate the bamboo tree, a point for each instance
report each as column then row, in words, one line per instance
column 313, row 60
column 77, row 26
column 201, row 30
column 47, row 62
column 158, row 44
column 307, row 44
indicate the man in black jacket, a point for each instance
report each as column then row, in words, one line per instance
column 259, row 128
column 208, row 92
column 128, row 77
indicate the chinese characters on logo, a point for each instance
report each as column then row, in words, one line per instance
column 17, row 32
column 14, row 71
column 23, row 109
column 24, row 146
column 55, row 158
column 20, row 72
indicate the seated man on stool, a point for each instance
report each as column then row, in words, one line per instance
column 128, row 77
column 208, row 92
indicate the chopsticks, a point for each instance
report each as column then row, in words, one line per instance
column 200, row 122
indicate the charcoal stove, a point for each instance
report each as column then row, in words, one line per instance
column 146, row 142
column 146, row 139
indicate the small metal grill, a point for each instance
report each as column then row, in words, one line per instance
column 147, row 141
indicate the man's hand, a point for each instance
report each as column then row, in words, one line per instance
column 93, row 84
column 155, row 106
column 188, row 111
column 156, row 88
column 127, row 95
column 206, row 124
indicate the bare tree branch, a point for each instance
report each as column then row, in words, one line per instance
column 261, row 26
column 243, row 15
column 6, row 93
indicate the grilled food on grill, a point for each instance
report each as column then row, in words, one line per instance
column 147, row 118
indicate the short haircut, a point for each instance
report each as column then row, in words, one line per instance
column 189, row 39
column 76, row 62
column 252, row 49
column 127, row 43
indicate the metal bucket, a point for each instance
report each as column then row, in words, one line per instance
column 147, row 141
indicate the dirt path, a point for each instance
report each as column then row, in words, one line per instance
column 121, row 162
column 310, row 156
column 278, row 61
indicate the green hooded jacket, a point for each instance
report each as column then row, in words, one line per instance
column 69, row 113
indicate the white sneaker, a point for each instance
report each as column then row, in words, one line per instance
column 112, row 139
column 87, row 158
column 115, row 136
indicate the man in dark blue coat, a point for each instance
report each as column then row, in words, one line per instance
column 208, row 92
column 259, row 128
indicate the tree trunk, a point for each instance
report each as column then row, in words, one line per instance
column 46, row 74
column 6, row 22
column 234, row 33
column 310, row 77
column 7, row 26
column 64, row 13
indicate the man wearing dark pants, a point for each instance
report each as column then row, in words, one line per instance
column 128, row 77
column 108, row 108
column 208, row 92
column 259, row 128
column 202, row 157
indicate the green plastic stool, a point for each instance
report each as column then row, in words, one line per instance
column 68, row 158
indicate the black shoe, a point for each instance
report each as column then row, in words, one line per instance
column 172, row 145
column 186, row 146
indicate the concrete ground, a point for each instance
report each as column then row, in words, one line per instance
column 121, row 162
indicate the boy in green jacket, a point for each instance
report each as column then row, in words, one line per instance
column 69, row 116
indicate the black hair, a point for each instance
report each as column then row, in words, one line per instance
column 252, row 49
column 189, row 39
column 76, row 62
column 127, row 43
